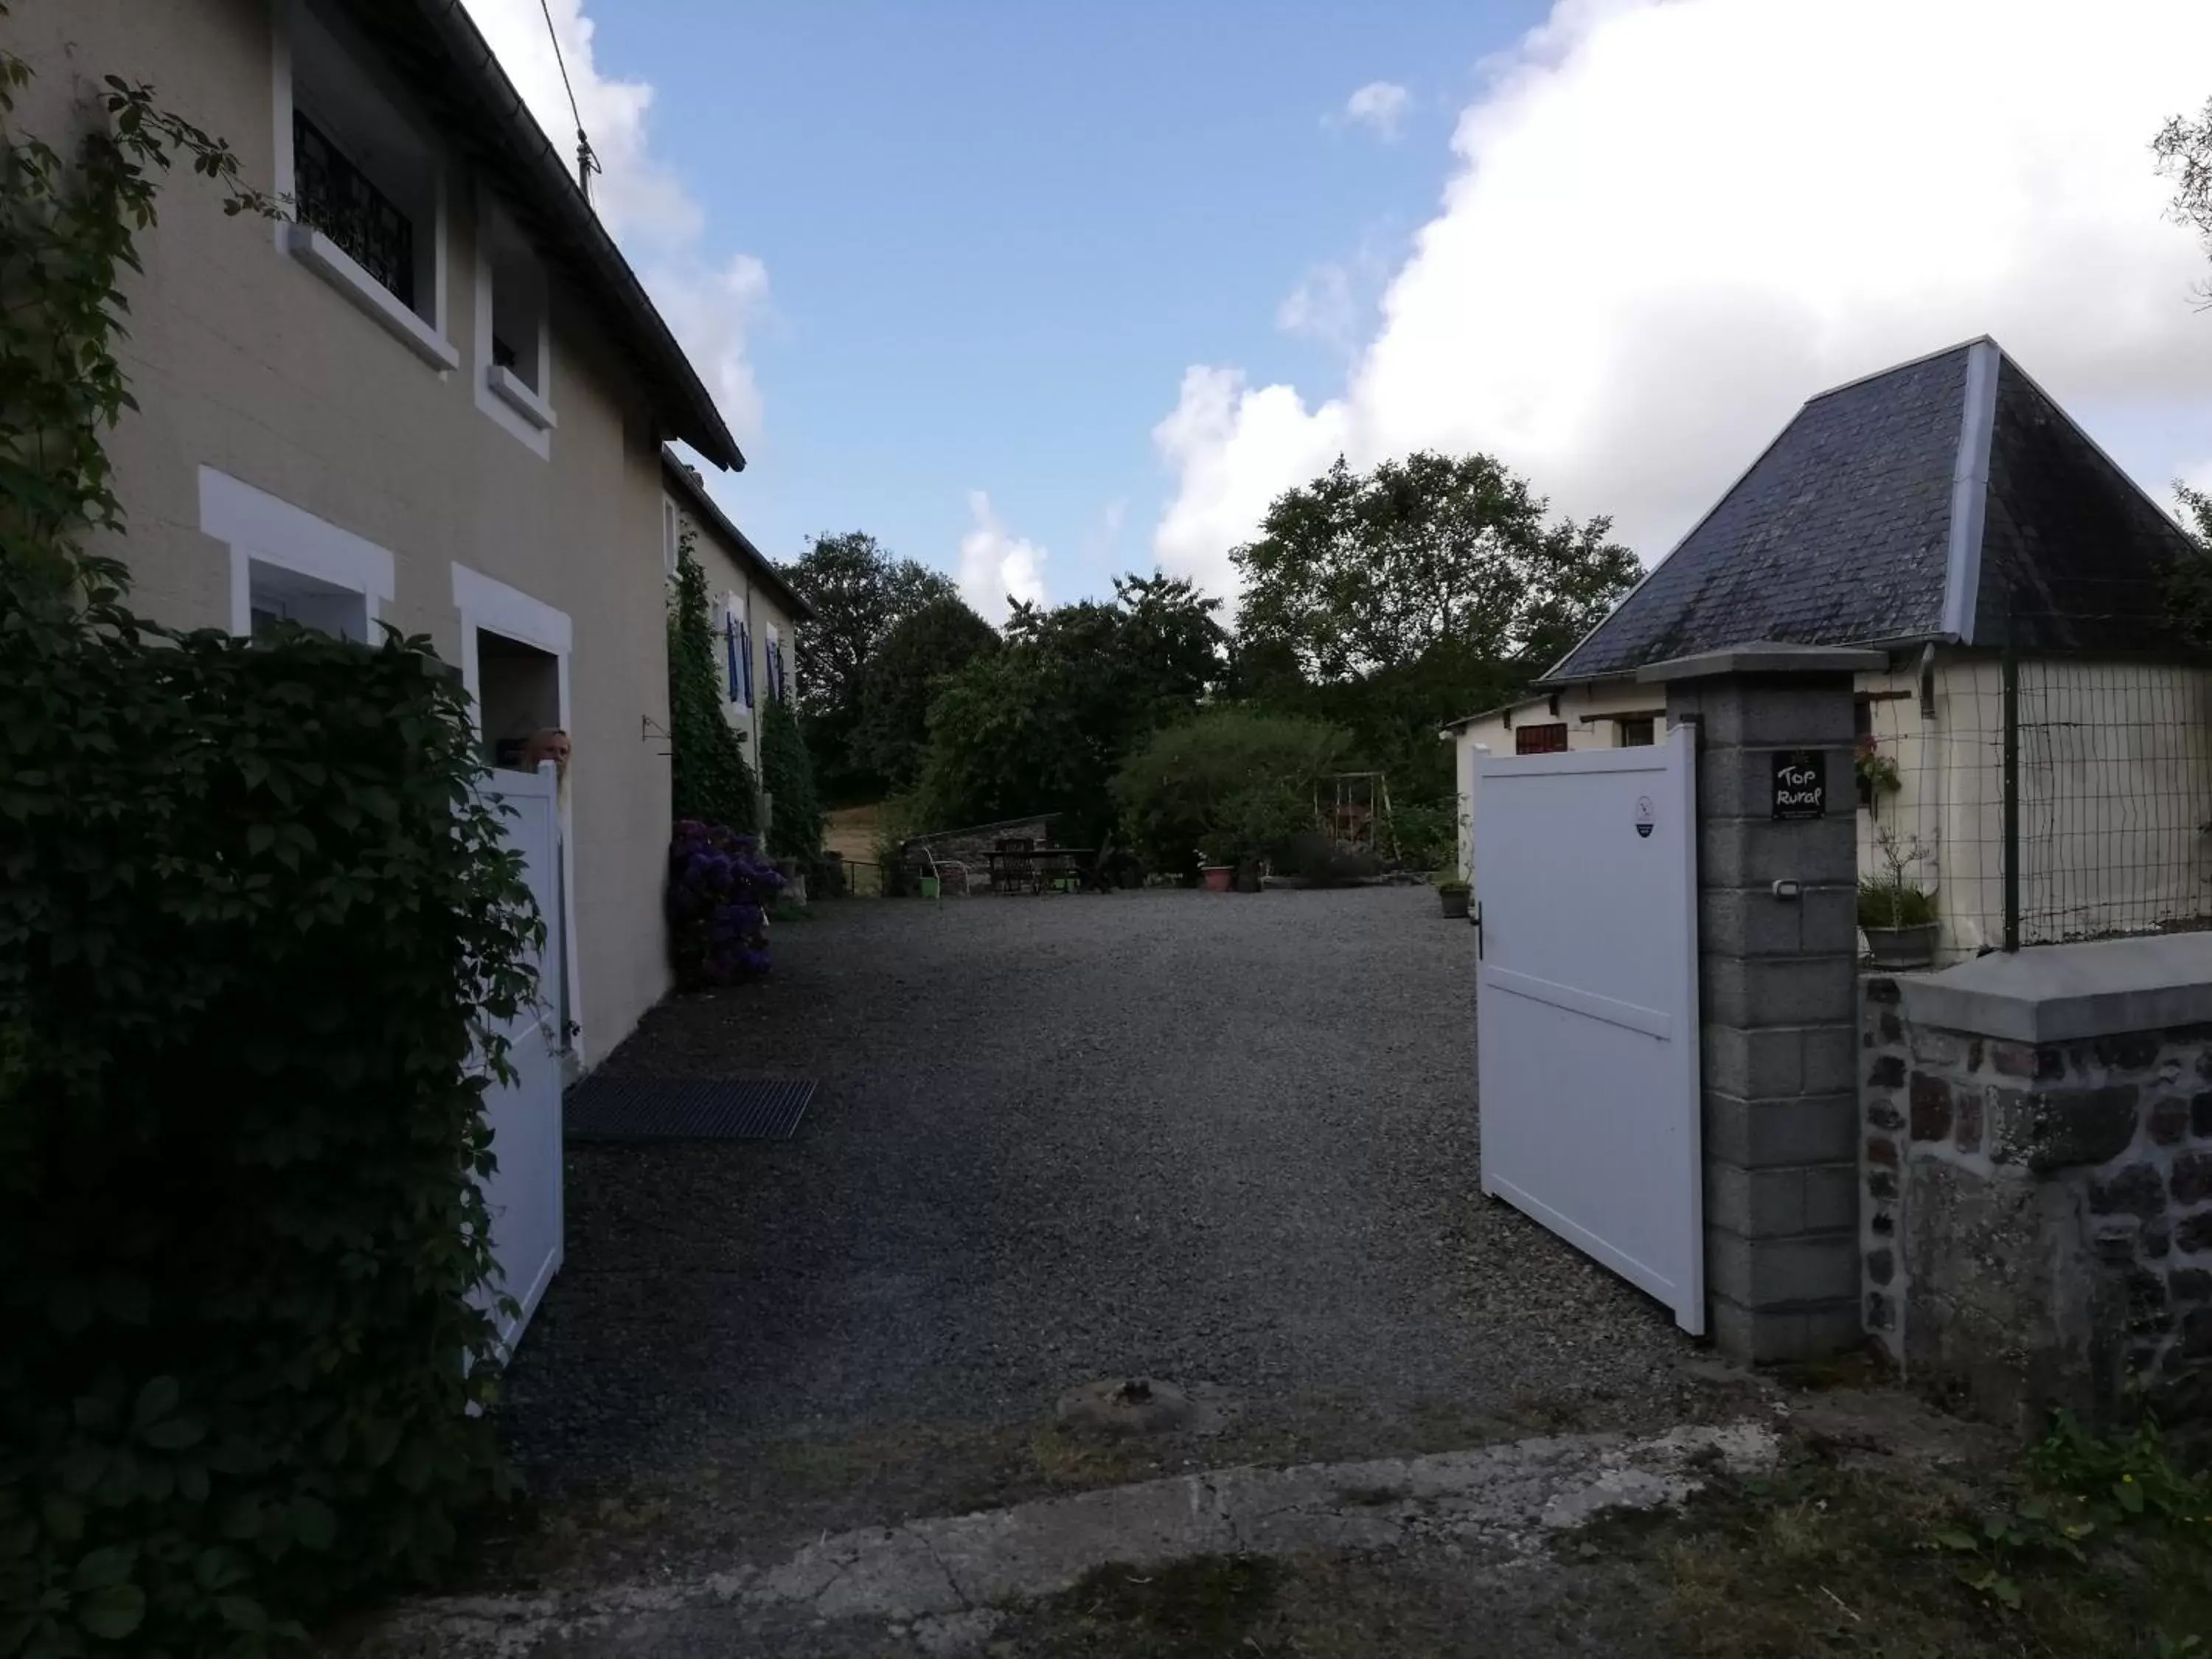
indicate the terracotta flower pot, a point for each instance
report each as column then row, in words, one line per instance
column 1220, row 877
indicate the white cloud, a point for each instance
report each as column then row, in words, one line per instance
column 1321, row 307
column 1671, row 221
column 995, row 565
column 711, row 302
column 1380, row 105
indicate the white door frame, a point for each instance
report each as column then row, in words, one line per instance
column 484, row 602
column 1667, row 774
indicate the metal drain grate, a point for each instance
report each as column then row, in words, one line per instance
column 685, row 1109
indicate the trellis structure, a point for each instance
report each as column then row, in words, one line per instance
column 1353, row 811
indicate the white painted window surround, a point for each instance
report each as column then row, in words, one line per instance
column 486, row 602
column 336, row 266
column 519, row 399
column 269, row 538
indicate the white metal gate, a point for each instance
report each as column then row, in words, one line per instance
column 524, row 1194
column 1585, row 868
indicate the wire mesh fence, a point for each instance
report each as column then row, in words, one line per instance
column 2042, row 801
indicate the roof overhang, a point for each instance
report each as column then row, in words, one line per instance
column 679, row 479
column 1764, row 657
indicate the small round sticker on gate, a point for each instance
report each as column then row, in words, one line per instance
column 1644, row 817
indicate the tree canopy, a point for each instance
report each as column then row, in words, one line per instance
column 1040, row 724
column 899, row 683
column 1395, row 600
column 860, row 592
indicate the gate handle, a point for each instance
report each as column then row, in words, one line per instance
column 1477, row 919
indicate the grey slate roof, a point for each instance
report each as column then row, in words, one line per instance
column 1934, row 501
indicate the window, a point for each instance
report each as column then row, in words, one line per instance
column 1636, row 732
column 365, row 183
column 1541, row 739
column 275, row 594
column 669, row 541
column 514, row 341
column 336, row 197
column 745, row 660
column 734, row 652
column 288, row 565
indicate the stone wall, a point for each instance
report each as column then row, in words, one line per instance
column 2036, row 1222
column 972, row 846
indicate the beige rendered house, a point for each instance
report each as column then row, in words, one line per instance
column 1944, row 511
column 754, row 611
column 435, row 398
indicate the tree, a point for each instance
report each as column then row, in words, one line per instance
column 901, row 680
column 1041, row 725
column 794, row 812
column 1359, row 575
column 708, row 779
column 860, row 592
column 2184, row 149
column 1395, row 600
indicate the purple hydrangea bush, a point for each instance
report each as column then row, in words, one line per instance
column 719, row 887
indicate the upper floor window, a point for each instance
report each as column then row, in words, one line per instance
column 365, row 183
column 670, row 536
column 515, row 339
column 337, row 198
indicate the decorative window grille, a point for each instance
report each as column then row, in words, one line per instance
column 336, row 197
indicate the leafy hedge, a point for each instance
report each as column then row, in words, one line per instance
column 248, row 903
column 1230, row 783
column 710, row 780
column 794, row 812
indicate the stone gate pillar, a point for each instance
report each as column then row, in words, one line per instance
column 1777, row 870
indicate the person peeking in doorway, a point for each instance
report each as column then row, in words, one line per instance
column 549, row 743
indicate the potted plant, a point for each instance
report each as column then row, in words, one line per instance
column 1877, row 774
column 1218, row 851
column 1897, row 916
column 1452, row 892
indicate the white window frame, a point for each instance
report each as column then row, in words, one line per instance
column 258, row 526
column 485, row 602
column 524, row 411
column 671, row 534
column 310, row 248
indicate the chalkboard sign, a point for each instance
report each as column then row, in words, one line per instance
column 1800, row 785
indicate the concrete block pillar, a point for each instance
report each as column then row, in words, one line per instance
column 1777, row 871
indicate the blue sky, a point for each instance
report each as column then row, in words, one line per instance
column 1041, row 292
column 995, row 234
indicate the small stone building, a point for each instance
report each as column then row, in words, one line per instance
column 1943, row 511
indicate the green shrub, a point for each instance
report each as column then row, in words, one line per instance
column 1884, row 904
column 1425, row 833
column 794, row 814
column 251, row 913
column 709, row 780
column 1230, row 781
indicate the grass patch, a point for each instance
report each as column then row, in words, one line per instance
column 2092, row 1549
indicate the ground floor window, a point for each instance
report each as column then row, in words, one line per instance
column 1636, row 732
column 1541, row 739
column 275, row 594
column 518, row 694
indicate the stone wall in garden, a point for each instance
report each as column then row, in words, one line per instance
column 2036, row 1218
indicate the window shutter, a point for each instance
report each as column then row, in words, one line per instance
column 730, row 652
column 745, row 660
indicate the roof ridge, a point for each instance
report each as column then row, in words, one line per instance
column 1910, row 363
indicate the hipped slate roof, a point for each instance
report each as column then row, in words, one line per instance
column 449, row 68
column 1947, row 499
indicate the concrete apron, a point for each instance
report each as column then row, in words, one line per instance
column 938, row 1580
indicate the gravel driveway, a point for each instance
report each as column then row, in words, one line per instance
column 1226, row 1140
